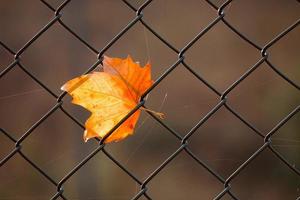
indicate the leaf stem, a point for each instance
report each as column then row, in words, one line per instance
column 159, row 114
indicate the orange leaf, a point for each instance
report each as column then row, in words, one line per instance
column 110, row 95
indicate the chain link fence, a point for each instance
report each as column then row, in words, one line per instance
column 183, row 139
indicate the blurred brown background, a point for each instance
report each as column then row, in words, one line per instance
column 220, row 56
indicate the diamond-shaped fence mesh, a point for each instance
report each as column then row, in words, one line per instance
column 181, row 139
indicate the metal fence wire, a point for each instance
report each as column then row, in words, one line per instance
column 184, row 147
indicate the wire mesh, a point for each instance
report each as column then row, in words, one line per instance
column 184, row 147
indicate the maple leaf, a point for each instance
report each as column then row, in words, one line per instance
column 110, row 95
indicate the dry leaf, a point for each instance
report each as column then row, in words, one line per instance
column 110, row 95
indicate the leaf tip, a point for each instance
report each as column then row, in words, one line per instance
column 86, row 136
